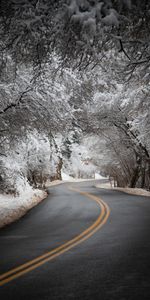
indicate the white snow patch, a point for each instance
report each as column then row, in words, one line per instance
column 12, row 208
column 66, row 177
column 131, row 191
column 99, row 176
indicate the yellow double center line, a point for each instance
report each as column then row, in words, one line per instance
column 40, row 260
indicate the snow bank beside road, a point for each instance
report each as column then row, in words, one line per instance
column 12, row 208
column 132, row 191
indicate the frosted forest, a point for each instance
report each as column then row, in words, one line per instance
column 74, row 92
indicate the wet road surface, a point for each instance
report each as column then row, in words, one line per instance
column 112, row 264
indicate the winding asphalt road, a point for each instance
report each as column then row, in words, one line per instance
column 70, row 247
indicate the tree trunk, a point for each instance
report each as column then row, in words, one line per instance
column 58, row 169
column 135, row 177
column 143, row 176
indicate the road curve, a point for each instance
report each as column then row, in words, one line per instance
column 69, row 247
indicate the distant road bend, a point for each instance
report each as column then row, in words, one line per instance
column 79, row 243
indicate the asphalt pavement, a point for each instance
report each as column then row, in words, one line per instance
column 112, row 263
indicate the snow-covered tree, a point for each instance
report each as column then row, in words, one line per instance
column 119, row 115
column 85, row 29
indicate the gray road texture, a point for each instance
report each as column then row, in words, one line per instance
column 114, row 264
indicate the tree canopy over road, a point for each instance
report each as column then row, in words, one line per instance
column 74, row 69
column 31, row 30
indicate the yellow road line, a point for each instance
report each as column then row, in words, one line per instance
column 35, row 263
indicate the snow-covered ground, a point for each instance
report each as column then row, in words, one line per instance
column 12, row 208
column 99, row 176
column 132, row 191
column 66, row 177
